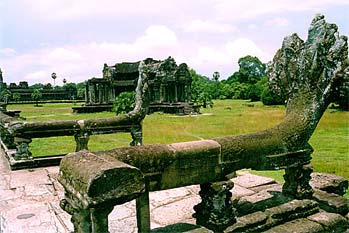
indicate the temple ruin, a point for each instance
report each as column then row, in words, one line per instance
column 169, row 86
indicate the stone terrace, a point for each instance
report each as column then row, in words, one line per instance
column 29, row 202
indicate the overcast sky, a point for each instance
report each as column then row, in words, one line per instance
column 75, row 38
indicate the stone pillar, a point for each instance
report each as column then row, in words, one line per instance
column 81, row 218
column 162, row 93
column 215, row 211
column 143, row 212
column 81, row 140
column 99, row 218
column 175, row 93
column 188, row 92
column 297, row 181
column 136, row 134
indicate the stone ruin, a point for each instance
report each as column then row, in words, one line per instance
column 169, row 86
column 307, row 71
column 15, row 135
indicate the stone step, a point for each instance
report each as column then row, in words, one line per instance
column 264, row 220
column 329, row 183
column 331, row 202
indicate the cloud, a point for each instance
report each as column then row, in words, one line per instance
column 249, row 9
column 79, row 62
column 7, row 51
column 38, row 75
column 224, row 58
column 208, row 27
column 64, row 54
column 157, row 37
column 278, row 22
column 66, row 10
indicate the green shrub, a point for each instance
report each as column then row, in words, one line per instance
column 124, row 102
column 270, row 98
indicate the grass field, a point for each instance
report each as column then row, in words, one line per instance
column 330, row 140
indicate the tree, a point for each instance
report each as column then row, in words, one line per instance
column 16, row 96
column 6, row 94
column 341, row 93
column 37, row 86
column 124, row 102
column 247, row 82
column 71, row 89
column 36, row 96
column 251, row 69
column 202, row 89
column 54, row 76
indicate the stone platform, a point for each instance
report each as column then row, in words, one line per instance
column 29, row 202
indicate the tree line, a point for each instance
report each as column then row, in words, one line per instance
column 250, row 82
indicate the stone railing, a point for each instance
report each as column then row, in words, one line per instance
column 307, row 72
column 16, row 135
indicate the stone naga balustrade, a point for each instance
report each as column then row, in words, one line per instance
column 19, row 134
column 307, row 72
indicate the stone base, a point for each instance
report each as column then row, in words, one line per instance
column 266, row 209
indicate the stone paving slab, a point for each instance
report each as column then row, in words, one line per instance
column 29, row 202
column 251, row 180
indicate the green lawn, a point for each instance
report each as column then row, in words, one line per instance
column 330, row 140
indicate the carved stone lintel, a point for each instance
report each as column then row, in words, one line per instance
column 136, row 133
column 297, row 181
column 215, row 211
column 81, row 140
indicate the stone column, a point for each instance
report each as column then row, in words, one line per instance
column 136, row 134
column 162, row 93
column 215, row 211
column 81, row 218
column 143, row 212
column 99, row 218
column 297, row 181
column 81, row 140
column 175, row 93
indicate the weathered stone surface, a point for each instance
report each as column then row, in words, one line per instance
column 331, row 222
column 251, row 180
column 329, row 183
column 29, row 218
column 292, row 210
column 175, row 212
column 331, row 202
column 127, row 225
column 160, row 198
column 254, row 222
column 269, row 187
column 299, row 226
column 38, row 176
column 181, row 227
column 100, row 178
column 239, row 191
column 260, row 201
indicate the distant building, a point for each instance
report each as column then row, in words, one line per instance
column 25, row 92
column 169, row 86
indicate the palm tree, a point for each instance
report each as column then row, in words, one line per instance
column 54, row 76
